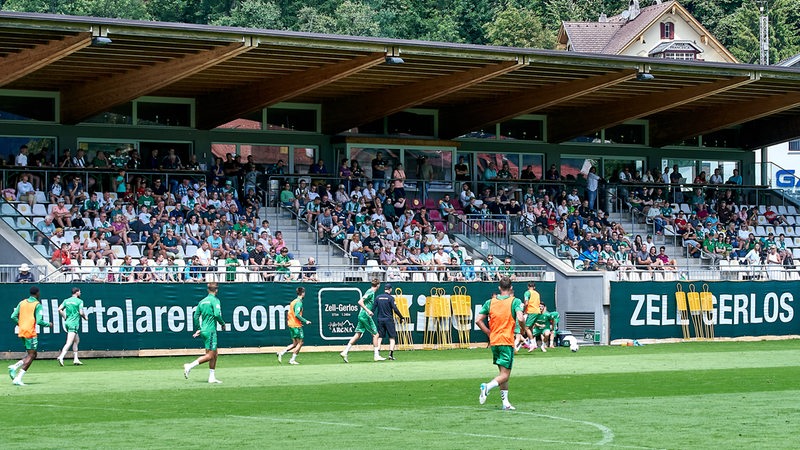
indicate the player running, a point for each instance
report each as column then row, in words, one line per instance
column 503, row 311
column 27, row 315
column 295, row 320
column 206, row 317
column 365, row 322
column 71, row 310
column 385, row 307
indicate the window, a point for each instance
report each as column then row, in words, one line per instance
column 28, row 105
column 526, row 129
column 246, row 122
column 164, row 114
column 291, row 117
column 794, row 145
column 412, row 123
column 297, row 159
column 92, row 147
column 667, row 30
column 627, row 133
column 440, row 160
column 40, row 149
column 727, row 138
column 613, row 166
column 679, row 55
column 117, row 115
column 364, row 156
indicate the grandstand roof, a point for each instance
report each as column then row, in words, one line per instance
column 234, row 71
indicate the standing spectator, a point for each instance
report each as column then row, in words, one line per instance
column 378, row 171
column 592, row 184
column 462, row 170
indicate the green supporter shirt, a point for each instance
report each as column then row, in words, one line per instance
column 208, row 314
column 72, row 309
column 279, row 260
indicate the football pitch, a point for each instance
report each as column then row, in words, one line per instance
column 677, row 396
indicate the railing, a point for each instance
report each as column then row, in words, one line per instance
column 9, row 273
column 490, row 234
column 727, row 270
column 476, row 271
column 24, row 226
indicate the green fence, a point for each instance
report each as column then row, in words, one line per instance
column 159, row 316
column 752, row 308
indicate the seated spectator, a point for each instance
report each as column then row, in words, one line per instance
column 309, row 270
column 215, row 245
column 507, row 270
column 46, row 230
column 282, row 264
column 590, row 258
column 143, row 271
column 372, row 245
column 25, row 191
column 663, row 261
column 75, row 248
column 204, row 254
column 356, row 249
column 607, row 259
column 24, row 275
column 774, row 218
column 126, row 269
column 60, row 257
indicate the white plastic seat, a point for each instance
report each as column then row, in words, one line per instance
column 68, row 235
column 40, row 197
column 42, row 250
column 133, row 251
column 781, row 210
column 760, row 231
column 191, row 250
column 10, row 221
column 791, row 210
column 39, row 210
column 790, row 220
column 762, row 220
column 24, row 209
column 685, row 208
column 7, row 210
column 119, row 251
column 372, row 266
column 113, row 196
column 762, row 209
column 25, row 234
column 36, row 221
column 769, row 229
column 23, row 224
column 542, row 240
column 779, row 231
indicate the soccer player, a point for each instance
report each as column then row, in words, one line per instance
column 27, row 315
column 540, row 327
column 206, row 317
column 366, row 323
column 295, row 320
column 385, row 308
column 531, row 305
column 503, row 311
column 553, row 318
column 71, row 310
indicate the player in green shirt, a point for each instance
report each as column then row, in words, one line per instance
column 71, row 311
column 504, row 312
column 27, row 315
column 206, row 317
column 366, row 323
column 295, row 320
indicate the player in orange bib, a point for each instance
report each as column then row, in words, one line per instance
column 504, row 311
column 295, row 320
column 27, row 315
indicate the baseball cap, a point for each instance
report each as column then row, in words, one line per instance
column 387, row 287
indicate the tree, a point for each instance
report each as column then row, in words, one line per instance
column 310, row 20
column 356, row 18
column 252, row 14
column 122, row 9
column 518, row 27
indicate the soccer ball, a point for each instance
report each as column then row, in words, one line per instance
column 573, row 343
column 574, row 347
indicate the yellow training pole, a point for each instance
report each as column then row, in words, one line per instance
column 694, row 309
column 405, row 340
column 683, row 313
column 707, row 307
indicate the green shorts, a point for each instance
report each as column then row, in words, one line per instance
column 539, row 331
column 366, row 324
column 531, row 319
column 503, row 355
column 209, row 340
column 296, row 333
column 72, row 327
column 31, row 343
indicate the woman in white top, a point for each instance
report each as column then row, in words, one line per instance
column 193, row 231
column 753, row 257
column 90, row 245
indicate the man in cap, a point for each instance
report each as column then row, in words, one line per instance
column 385, row 309
column 24, row 275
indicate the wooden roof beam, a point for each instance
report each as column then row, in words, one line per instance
column 81, row 102
column 458, row 121
column 18, row 65
column 219, row 108
column 703, row 121
column 582, row 121
column 766, row 132
column 342, row 115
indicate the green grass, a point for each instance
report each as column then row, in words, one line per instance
column 691, row 395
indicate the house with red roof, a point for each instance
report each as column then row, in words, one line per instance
column 661, row 30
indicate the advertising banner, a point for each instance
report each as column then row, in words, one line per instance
column 749, row 308
column 159, row 315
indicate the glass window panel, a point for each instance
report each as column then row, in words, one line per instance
column 483, row 161
column 686, row 167
column 14, row 107
column 571, row 167
column 303, row 159
column 247, row 122
column 626, row 134
column 613, row 166
column 290, row 119
column 182, row 149
column 264, row 154
column 536, row 163
column 440, row 160
column 220, row 150
column 91, row 149
column 40, row 149
column 164, row 114
column 374, row 127
column 722, row 139
column 118, row 115
column 725, row 168
column 364, row 156
column 411, row 124
column 522, row 129
column 690, row 142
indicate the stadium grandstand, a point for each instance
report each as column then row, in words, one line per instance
column 158, row 152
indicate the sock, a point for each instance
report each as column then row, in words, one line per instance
column 19, row 375
column 193, row 364
column 504, row 396
column 377, row 351
column 18, row 364
column 62, row 355
column 347, row 349
column 211, row 375
column 281, row 353
column 391, row 353
column 491, row 385
column 294, row 355
column 75, row 356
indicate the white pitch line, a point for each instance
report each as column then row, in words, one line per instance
column 417, row 430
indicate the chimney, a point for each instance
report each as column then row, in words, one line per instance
column 633, row 9
column 603, row 18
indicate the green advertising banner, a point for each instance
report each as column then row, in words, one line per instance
column 746, row 308
column 159, row 316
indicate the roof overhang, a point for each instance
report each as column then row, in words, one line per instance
column 232, row 71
